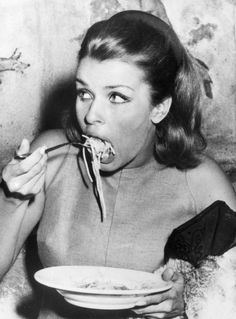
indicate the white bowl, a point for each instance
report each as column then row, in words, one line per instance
column 101, row 287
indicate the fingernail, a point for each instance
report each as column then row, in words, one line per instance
column 141, row 302
column 22, row 142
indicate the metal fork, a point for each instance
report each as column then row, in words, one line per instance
column 23, row 156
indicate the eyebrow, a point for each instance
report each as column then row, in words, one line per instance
column 108, row 86
column 118, row 86
column 80, row 81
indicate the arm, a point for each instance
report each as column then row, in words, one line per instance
column 19, row 216
column 17, row 220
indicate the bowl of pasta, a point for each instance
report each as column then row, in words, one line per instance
column 101, row 287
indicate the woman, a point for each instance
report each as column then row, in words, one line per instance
column 138, row 91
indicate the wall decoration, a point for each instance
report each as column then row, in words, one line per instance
column 13, row 63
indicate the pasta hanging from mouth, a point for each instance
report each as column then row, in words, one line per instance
column 100, row 151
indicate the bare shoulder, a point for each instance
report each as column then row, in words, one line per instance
column 55, row 158
column 209, row 183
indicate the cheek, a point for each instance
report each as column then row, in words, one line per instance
column 136, row 126
column 132, row 133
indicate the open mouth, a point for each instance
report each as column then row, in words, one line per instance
column 100, row 149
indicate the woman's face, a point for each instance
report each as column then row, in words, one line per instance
column 113, row 103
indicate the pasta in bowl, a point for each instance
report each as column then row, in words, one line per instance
column 101, row 287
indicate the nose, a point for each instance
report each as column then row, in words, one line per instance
column 95, row 113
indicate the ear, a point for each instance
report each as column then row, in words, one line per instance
column 160, row 111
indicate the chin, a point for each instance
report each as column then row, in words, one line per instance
column 111, row 167
column 114, row 166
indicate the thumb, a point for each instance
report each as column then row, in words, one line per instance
column 169, row 274
column 24, row 147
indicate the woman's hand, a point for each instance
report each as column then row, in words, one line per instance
column 25, row 177
column 169, row 304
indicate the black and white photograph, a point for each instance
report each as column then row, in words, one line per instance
column 118, row 159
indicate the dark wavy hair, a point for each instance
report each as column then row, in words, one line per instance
column 152, row 45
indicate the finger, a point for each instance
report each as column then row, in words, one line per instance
column 35, row 170
column 40, row 184
column 177, row 279
column 171, row 275
column 27, row 164
column 168, row 274
column 176, row 276
column 153, row 299
column 164, row 307
column 34, row 185
column 16, row 181
column 24, row 147
column 160, row 315
column 22, row 179
column 156, row 316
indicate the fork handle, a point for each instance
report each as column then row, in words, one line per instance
column 23, row 156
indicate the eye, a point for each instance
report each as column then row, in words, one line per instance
column 84, row 95
column 118, row 98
